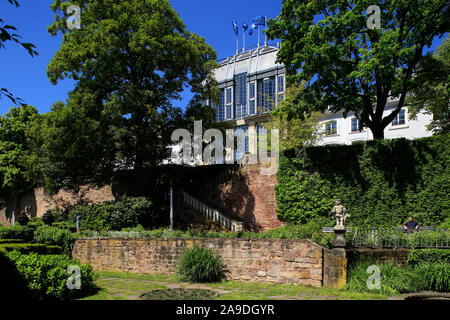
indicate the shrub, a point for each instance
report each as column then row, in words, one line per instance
column 420, row 256
column 23, row 219
column 93, row 217
column 47, row 275
column 17, row 232
column 199, row 264
column 54, row 236
column 129, row 212
column 66, row 225
column 30, row 247
column 35, row 223
column 48, row 218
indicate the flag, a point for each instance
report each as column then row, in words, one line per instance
column 253, row 27
column 235, row 27
column 260, row 21
column 244, row 26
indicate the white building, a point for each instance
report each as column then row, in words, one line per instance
column 340, row 130
column 252, row 84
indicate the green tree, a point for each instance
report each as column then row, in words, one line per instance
column 353, row 68
column 132, row 58
column 432, row 94
column 15, row 153
column 6, row 35
column 72, row 145
column 295, row 131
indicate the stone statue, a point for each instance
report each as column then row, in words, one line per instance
column 340, row 214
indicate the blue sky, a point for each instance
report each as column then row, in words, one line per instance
column 26, row 76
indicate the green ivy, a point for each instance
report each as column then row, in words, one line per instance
column 381, row 183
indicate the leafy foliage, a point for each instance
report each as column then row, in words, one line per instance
column 420, row 256
column 27, row 248
column 199, row 264
column 15, row 154
column 131, row 59
column 432, row 93
column 55, row 236
column 24, row 233
column 351, row 67
column 394, row 280
column 381, row 183
column 46, row 275
column 294, row 132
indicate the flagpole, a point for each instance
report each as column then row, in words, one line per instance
column 237, row 44
column 258, row 35
column 265, row 22
column 243, row 34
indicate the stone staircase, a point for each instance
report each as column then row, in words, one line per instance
column 210, row 214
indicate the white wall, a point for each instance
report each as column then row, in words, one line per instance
column 412, row 129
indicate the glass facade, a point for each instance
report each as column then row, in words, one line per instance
column 220, row 108
column 246, row 98
column 269, row 94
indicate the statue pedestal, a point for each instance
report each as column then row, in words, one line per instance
column 339, row 238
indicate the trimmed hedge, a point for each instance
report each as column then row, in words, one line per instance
column 419, row 256
column 17, row 232
column 11, row 241
column 26, row 248
column 381, row 183
column 46, row 276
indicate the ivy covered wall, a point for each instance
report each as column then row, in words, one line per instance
column 381, row 183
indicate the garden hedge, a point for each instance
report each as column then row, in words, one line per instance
column 381, row 183
column 26, row 248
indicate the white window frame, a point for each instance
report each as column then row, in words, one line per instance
column 254, row 97
column 227, row 116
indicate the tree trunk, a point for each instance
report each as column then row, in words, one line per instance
column 377, row 132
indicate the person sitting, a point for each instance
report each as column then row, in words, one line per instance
column 411, row 225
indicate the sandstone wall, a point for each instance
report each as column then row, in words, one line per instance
column 251, row 198
column 36, row 203
column 255, row 260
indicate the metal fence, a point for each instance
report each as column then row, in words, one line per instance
column 396, row 238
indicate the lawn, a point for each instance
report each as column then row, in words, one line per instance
column 130, row 286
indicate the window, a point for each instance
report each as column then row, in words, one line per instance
column 400, row 118
column 355, row 125
column 252, row 98
column 280, row 84
column 269, row 94
column 331, row 128
column 220, row 108
column 240, row 95
column 280, row 89
column 238, row 154
column 229, row 103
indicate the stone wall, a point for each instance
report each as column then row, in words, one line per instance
column 398, row 256
column 37, row 202
column 334, row 268
column 255, row 260
column 250, row 197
